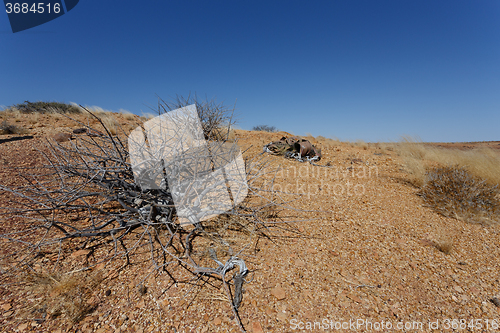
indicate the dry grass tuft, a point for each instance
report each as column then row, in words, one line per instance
column 63, row 295
column 6, row 128
column 482, row 163
column 454, row 192
column 146, row 116
column 444, row 245
column 128, row 116
column 110, row 122
column 328, row 142
column 361, row 144
column 12, row 114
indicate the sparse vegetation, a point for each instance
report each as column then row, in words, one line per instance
column 444, row 245
column 265, row 128
column 454, row 192
column 6, row 128
column 456, row 183
column 87, row 197
column 361, row 144
column 46, row 107
column 216, row 118
column 418, row 157
column 65, row 295
column 110, row 123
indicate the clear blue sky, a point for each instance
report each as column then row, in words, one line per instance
column 370, row 70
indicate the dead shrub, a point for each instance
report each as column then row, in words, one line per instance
column 47, row 107
column 454, row 192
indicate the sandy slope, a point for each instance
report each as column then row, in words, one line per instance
column 367, row 259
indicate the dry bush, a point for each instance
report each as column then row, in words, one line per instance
column 216, row 118
column 34, row 118
column 482, row 163
column 12, row 113
column 47, row 107
column 88, row 197
column 443, row 239
column 454, row 192
column 6, row 128
column 65, row 295
column 361, row 144
column 444, row 245
column 265, row 128
column 385, row 147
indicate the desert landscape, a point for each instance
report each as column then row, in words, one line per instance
column 366, row 240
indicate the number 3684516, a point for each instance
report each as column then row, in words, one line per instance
column 36, row 8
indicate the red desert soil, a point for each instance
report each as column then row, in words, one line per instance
column 369, row 260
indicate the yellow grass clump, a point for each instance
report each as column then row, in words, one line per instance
column 456, row 183
column 62, row 295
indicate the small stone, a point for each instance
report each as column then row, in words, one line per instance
column 495, row 301
column 79, row 253
column 474, row 290
column 100, row 266
column 355, row 298
column 140, row 305
column 6, row 307
column 22, row 327
column 217, row 321
column 334, row 253
column 484, row 307
column 143, row 289
column 62, row 137
column 458, row 289
column 256, row 328
column 281, row 316
column 80, row 130
column 300, row 263
column 278, row 292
